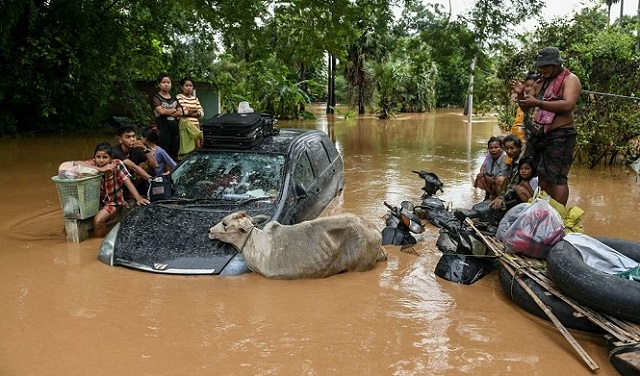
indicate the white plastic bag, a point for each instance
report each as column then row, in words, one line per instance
column 509, row 217
column 70, row 170
column 244, row 108
column 536, row 230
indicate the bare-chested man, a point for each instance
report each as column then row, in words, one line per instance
column 555, row 98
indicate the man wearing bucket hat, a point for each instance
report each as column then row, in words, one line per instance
column 552, row 130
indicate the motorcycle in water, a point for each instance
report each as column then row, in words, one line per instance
column 400, row 223
column 464, row 257
column 432, row 184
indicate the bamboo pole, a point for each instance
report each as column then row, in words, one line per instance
column 572, row 341
column 623, row 330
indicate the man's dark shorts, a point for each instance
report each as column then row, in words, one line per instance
column 556, row 154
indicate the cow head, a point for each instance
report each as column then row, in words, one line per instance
column 234, row 228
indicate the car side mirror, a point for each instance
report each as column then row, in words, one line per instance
column 300, row 191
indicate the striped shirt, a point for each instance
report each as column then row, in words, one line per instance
column 191, row 103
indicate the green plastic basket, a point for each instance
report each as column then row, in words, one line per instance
column 80, row 198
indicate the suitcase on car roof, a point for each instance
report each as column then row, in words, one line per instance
column 233, row 130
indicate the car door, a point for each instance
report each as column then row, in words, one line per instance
column 315, row 179
column 302, row 199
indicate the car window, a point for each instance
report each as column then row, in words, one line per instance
column 319, row 155
column 229, row 175
column 304, row 173
column 332, row 152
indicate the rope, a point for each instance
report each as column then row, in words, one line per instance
column 247, row 238
column 611, row 95
column 616, row 350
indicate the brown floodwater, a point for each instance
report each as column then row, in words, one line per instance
column 65, row 313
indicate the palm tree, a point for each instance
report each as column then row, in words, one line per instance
column 609, row 4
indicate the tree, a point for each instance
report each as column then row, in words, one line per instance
column 606, row 61
column 491, row 20
column 609, row 3
column 73, row 74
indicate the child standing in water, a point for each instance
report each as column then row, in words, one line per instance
column 115, row 176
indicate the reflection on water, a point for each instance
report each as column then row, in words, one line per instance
column 65, row 313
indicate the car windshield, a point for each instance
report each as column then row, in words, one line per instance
column 229, row 175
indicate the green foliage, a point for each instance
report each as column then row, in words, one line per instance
column 390, row 79
column 606, row 61
column 346, row 115
column 265, row 84
column 606, row 125
column 419, row 91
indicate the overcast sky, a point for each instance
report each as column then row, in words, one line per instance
column 553, row 9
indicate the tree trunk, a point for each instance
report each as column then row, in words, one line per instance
column 621, row 11
column 333, row 82
column 303, row 86
column 330, row 83
column 638, row 27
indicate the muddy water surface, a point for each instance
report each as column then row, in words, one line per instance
column 63, row 312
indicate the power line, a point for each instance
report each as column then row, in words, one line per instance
column 611, row 95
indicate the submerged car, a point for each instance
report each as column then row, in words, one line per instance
column 291, row 177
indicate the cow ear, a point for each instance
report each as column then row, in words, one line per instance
column 259, row 219
column 245, row 226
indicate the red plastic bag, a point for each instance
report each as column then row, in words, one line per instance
column 536, row 231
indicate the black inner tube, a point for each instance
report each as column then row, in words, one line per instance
column 567, row 315
column 603, row 292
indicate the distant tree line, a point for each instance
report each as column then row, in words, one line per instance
column 69, row 64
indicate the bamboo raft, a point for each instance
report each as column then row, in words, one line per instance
column 620, row 333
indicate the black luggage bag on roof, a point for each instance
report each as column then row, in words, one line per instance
column 233, row 130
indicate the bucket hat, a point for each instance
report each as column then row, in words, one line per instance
column 548, row 56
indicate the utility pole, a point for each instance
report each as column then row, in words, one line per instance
column 471, row 77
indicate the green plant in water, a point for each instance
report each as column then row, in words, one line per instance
column 347, row 115
column 390, row 79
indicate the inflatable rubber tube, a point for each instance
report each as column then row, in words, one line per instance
column 567, row 315
column 603, row 292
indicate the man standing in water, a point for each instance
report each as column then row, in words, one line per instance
column 556, row 95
